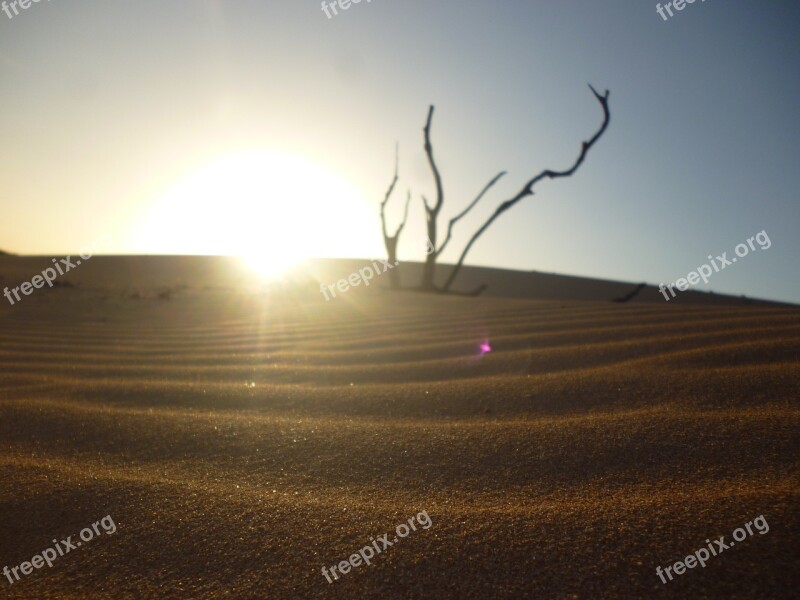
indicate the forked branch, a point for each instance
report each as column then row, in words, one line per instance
column 391, row 240
column 431, row 211
column 389, row 191
column 436, row 176
column 527, row 190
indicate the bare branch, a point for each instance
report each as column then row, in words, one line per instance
column 391, row 240
column 463, row 213
column 429, row 151
column 431, row 212
column 390, row 190
column 527, row 190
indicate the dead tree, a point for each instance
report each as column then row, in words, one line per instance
column 391, row 240
column 432, row 212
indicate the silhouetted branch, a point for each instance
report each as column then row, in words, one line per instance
column 632, row 294
column 527, row 190
column 455, row 219
column 429, row 151
column 390, row 190
column 431, row 212
column 391, row 240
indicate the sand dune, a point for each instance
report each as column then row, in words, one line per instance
column 242, row 440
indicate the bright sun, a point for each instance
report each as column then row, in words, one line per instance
column 274, row 210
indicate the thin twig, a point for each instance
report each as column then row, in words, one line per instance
column 463, row 213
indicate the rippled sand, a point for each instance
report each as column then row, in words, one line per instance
column 241, row 442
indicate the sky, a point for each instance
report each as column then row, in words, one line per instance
column 268, row 129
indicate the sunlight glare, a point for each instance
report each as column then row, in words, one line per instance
column 274, row 210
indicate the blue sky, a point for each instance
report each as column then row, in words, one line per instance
column 109, row 107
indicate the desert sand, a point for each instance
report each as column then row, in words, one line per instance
column 242, row 439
